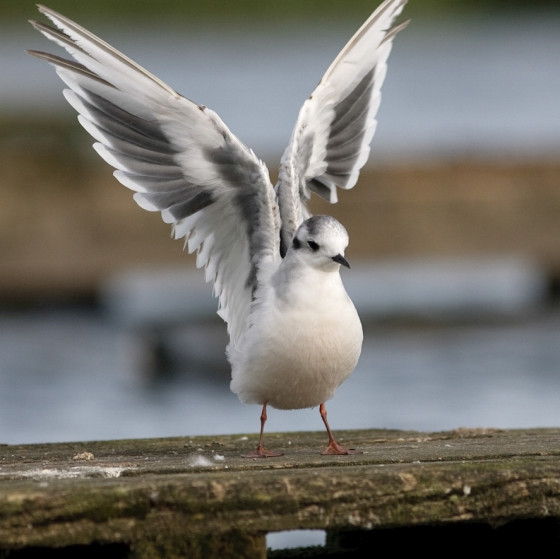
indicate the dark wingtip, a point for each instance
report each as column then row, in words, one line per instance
column 33, row 53
column 40, row 26
column 45, row 10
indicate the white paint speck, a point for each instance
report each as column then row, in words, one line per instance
column 74, row 472
column 84, row 456
column 199, row 461
column 467, row 489
column 219, row 457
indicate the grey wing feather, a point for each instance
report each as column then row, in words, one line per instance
column 179, row 158
column 335, row 126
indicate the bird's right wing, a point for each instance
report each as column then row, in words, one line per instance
column 181, row 160
column 331, row 138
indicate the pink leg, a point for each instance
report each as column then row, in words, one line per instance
column 334, row 447
column 260, row 452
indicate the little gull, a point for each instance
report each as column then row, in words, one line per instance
column 294, row 333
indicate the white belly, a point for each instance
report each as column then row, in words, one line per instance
column 296, row 356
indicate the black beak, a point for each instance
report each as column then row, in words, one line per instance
column 341, row 260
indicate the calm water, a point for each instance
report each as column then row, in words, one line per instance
column 471, row 87
column 73, row 376
column 480, row 87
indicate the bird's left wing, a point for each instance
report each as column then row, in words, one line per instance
column 179, row 157
column 331, row 138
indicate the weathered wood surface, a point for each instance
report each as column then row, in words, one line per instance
column 160, row 495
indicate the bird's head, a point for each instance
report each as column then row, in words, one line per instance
column 320, row 242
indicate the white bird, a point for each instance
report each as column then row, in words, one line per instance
column 294, row 333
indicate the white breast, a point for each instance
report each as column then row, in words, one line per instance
column 304, row 342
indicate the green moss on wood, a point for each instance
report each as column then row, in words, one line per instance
column 160, row 499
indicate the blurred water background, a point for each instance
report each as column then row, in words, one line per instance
column 107, row 332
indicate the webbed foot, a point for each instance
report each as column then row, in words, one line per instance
column 260, row 452
column 336, row 449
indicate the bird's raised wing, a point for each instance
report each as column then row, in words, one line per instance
column 335, row 126
column 179, row 157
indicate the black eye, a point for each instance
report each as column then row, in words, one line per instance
column 296, row 243
column 313, row 246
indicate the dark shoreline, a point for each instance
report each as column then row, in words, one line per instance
column 256, row 10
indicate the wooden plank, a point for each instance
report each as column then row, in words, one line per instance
column 162, row 497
